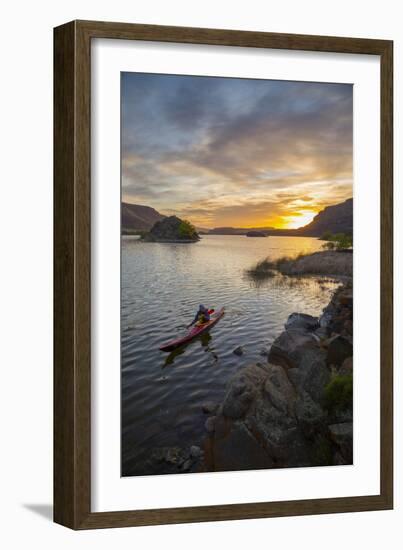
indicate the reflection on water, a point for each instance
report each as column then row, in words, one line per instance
column 162, row 286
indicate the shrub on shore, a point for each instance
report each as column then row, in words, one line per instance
column 266, row 268
column 338, row 241
column 339, row 393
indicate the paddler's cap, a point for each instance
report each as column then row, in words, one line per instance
column 201, row 306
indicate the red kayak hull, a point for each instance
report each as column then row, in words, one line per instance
column 193, row 333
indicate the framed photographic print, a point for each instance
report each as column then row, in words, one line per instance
column 222, row 274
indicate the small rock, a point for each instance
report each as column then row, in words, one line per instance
column 325, row 319
column 186, row 465
column 174, row 455
column 321, row 332
column 209, row 408
column 238, row 351
column 264, row 352
column 210, row 424
column 195, row 451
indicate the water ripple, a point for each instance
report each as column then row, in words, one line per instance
column 162, row 285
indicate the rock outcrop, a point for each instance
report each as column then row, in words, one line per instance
column 296, row 409
column 172, row 229
column 337, row 218
column 256, row 234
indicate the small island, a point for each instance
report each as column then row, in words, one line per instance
column 256, row 234
column 172, row 229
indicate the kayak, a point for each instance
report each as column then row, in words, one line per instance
column 193, row 332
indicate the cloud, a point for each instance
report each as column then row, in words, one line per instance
column 245, row 148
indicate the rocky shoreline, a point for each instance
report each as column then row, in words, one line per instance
column 293, row 409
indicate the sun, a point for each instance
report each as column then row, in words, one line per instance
column 299, row 219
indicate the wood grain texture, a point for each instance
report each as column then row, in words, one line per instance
column 64, row 376
column 72, row 217
column 72, row 274
column 387, row 273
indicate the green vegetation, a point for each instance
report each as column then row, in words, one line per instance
column 327, row 236
column 262, row 270
column 187, row 230
column 339, row 393
column 266, row 268
column 337, row 241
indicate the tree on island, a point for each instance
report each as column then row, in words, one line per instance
column 172, row 229
column 188, row 230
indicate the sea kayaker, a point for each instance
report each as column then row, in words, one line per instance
column 202, row 315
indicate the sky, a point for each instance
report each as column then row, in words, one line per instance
column 235, row 152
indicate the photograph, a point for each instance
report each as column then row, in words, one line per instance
column 236, row 274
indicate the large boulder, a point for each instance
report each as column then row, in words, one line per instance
column 338, row 349
column 288, row 349
column 276, row 429
column 279, row 389
column 239, row 450
column 242, row 390
column 310, row 415
column 312, row 374
column 302, row 321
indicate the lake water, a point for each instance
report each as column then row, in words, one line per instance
column 162, row 286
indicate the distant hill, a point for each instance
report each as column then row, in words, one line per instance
column 136, row 217
column 239, row 230
column 336, row 219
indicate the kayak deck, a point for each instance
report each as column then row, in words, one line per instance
column 193, row 333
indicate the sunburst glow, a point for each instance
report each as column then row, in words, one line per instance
column 235, row 152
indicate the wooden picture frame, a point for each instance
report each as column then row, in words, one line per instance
column 72, row 270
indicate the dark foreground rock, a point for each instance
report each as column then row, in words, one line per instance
column 296, row 409
column 289, row 348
